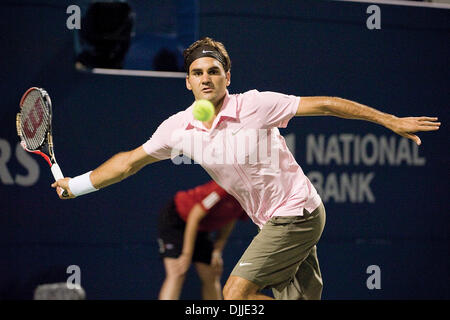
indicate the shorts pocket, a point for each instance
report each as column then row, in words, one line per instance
column 281, row 220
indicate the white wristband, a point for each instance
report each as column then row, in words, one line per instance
column 81, row 185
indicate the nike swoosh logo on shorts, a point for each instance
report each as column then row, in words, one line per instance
column 244, row 264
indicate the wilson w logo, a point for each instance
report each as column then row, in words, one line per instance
column 33, row 120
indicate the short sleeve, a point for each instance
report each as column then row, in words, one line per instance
column 161, row 143
column 275, row 109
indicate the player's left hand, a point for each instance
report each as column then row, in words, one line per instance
column 406, row 127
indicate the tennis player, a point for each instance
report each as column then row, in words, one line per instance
column 185, row 230
column 279, row 199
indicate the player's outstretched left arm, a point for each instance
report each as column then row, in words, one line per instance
column 343, row 108
column 120, row 166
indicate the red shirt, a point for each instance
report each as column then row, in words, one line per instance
column 221, row 207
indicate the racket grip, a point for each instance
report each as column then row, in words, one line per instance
column 57, row 174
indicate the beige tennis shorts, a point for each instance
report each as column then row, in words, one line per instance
column 283, row 257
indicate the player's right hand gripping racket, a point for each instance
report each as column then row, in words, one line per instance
column 34, row 127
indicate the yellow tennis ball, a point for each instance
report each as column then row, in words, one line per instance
column 203, row 110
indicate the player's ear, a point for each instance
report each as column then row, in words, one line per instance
column 188, row 85
column 228, row 75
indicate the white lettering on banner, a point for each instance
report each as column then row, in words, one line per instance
column 27, row 162
column 354, row 188
column 369, row 150
column 5, row 155
column 353, row 150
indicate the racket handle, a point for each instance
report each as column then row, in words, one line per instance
column 57, row 174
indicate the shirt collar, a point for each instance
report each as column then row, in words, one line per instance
column 228, row 111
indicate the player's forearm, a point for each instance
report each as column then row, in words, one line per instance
column 120, row 166
column 348, row 109
column 112, row 171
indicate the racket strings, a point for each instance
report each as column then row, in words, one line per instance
column 35, row 120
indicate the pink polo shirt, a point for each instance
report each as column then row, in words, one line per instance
column 243, row 152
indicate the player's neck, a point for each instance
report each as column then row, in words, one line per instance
column 217, row 107
column 208, row 124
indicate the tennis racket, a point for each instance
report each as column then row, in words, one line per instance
column 34, row 127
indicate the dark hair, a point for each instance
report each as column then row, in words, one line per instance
column 207, row 42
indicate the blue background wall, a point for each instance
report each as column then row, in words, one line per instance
column 301, row 48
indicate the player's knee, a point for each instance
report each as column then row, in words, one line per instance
column 231, row 294
column 233, row 291
column 227, row 292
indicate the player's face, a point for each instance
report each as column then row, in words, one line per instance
column 208, row 80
